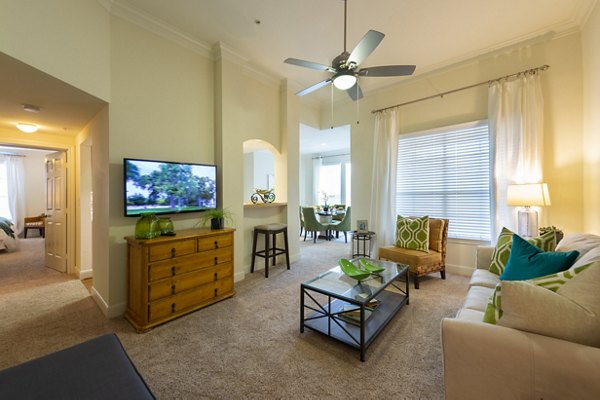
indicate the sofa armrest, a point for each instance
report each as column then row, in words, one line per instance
column 484, row 256
column 494, row 362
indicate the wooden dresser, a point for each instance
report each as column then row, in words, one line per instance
column 173, row 275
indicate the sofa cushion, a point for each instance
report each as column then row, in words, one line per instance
column 413, row 233
column 483, row 277
column 467, row 314
column 436, row 234
column 572, row 312
column 478, row 298
column 546, row 242
column 414, row 258
column 589, row 257
column 527, row 261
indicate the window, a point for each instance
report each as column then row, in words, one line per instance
column 335, row 179
column 445, row 173
column 4, row 210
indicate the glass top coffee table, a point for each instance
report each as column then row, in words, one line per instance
column 350, row 311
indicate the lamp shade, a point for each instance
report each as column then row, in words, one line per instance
column 530, row 194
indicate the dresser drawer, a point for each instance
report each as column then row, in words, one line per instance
column 183, row 265
column 168, row 250
column 183, row 301
column 215, row 242
column 178, row 284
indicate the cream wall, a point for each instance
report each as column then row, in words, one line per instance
column 563, row 158
column 68, row 39
column 161, row 108
column 591, row 122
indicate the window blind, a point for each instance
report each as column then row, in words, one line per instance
column 445, row 173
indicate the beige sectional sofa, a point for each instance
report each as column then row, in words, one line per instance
column 550, row 351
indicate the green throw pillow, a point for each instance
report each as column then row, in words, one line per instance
column 527, row 261
column 413, row 233
column 545, row 242
column 552, row 282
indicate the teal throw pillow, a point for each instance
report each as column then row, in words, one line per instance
column 546, row 242
column 413, row 233
column 527, row 261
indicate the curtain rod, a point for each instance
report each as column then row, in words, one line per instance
column 335, row 155
column 527, row 71
column 11, row 154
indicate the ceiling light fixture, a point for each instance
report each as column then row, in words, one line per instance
column 27, row 128
column 344, row 80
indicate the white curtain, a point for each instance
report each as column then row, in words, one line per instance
column 16, row 190
column 382, row 217
column 317, row 162
column 516, row 115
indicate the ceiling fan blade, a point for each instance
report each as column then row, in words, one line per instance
column 388, row 70
column 352, row 92
column 313, row 87
column 308, row 64
column 367, row 44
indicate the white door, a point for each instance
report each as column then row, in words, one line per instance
column 56, row 211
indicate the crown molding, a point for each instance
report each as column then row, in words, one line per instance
column 156, row 26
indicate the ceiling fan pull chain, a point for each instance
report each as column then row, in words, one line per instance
column 357, row 105
column 345, row 17
column 331, row 106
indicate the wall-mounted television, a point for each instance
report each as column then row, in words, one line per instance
column 165, row 187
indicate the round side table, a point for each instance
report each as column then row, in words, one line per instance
column 361, row 243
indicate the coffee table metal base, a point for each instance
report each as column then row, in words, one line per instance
column 325, row 317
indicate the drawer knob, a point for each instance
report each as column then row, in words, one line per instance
column 216, row 260
column 173, row 251
column 173, row 289
column 216, row 292
column 173, row 307
column 216, row 276
column 173, row 271
column 216, row 244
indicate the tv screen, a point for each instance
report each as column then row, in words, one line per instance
column 164, row 187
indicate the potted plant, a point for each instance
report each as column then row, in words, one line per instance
column 558, row 233
column 6, row 226
column 218, row 218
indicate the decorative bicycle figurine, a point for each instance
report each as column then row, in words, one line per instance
column 266, row 195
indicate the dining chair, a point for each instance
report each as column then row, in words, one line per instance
column 342, row 226
column 312, row 225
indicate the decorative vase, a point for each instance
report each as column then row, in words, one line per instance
column 166, row 226
column 147, row 227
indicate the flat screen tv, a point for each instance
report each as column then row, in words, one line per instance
column 164, row 187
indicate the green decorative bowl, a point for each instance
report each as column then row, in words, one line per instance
column 352, row 270
column 370, row 267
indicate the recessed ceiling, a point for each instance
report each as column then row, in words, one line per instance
column 430, row 34
column 316, row 141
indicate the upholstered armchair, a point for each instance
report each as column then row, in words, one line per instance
column 311, row 224
column 342, row 226
column 421, row 263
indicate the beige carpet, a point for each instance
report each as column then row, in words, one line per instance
column 245, row 347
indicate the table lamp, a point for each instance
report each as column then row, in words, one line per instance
column 527, row 195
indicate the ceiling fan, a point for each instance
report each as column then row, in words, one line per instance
column 345, row 66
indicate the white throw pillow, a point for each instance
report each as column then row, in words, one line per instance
column 571, row 313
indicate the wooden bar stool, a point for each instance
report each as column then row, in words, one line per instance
column 270, row 231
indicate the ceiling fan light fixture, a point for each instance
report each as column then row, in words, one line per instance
column 344, row 81
column 27, row 128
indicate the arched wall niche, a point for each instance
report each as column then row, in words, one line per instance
column 261, row 159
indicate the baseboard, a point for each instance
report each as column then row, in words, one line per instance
column 86, row 274
column 109, row 311
column 459, row 270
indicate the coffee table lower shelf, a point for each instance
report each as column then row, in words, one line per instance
column 327, row 321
